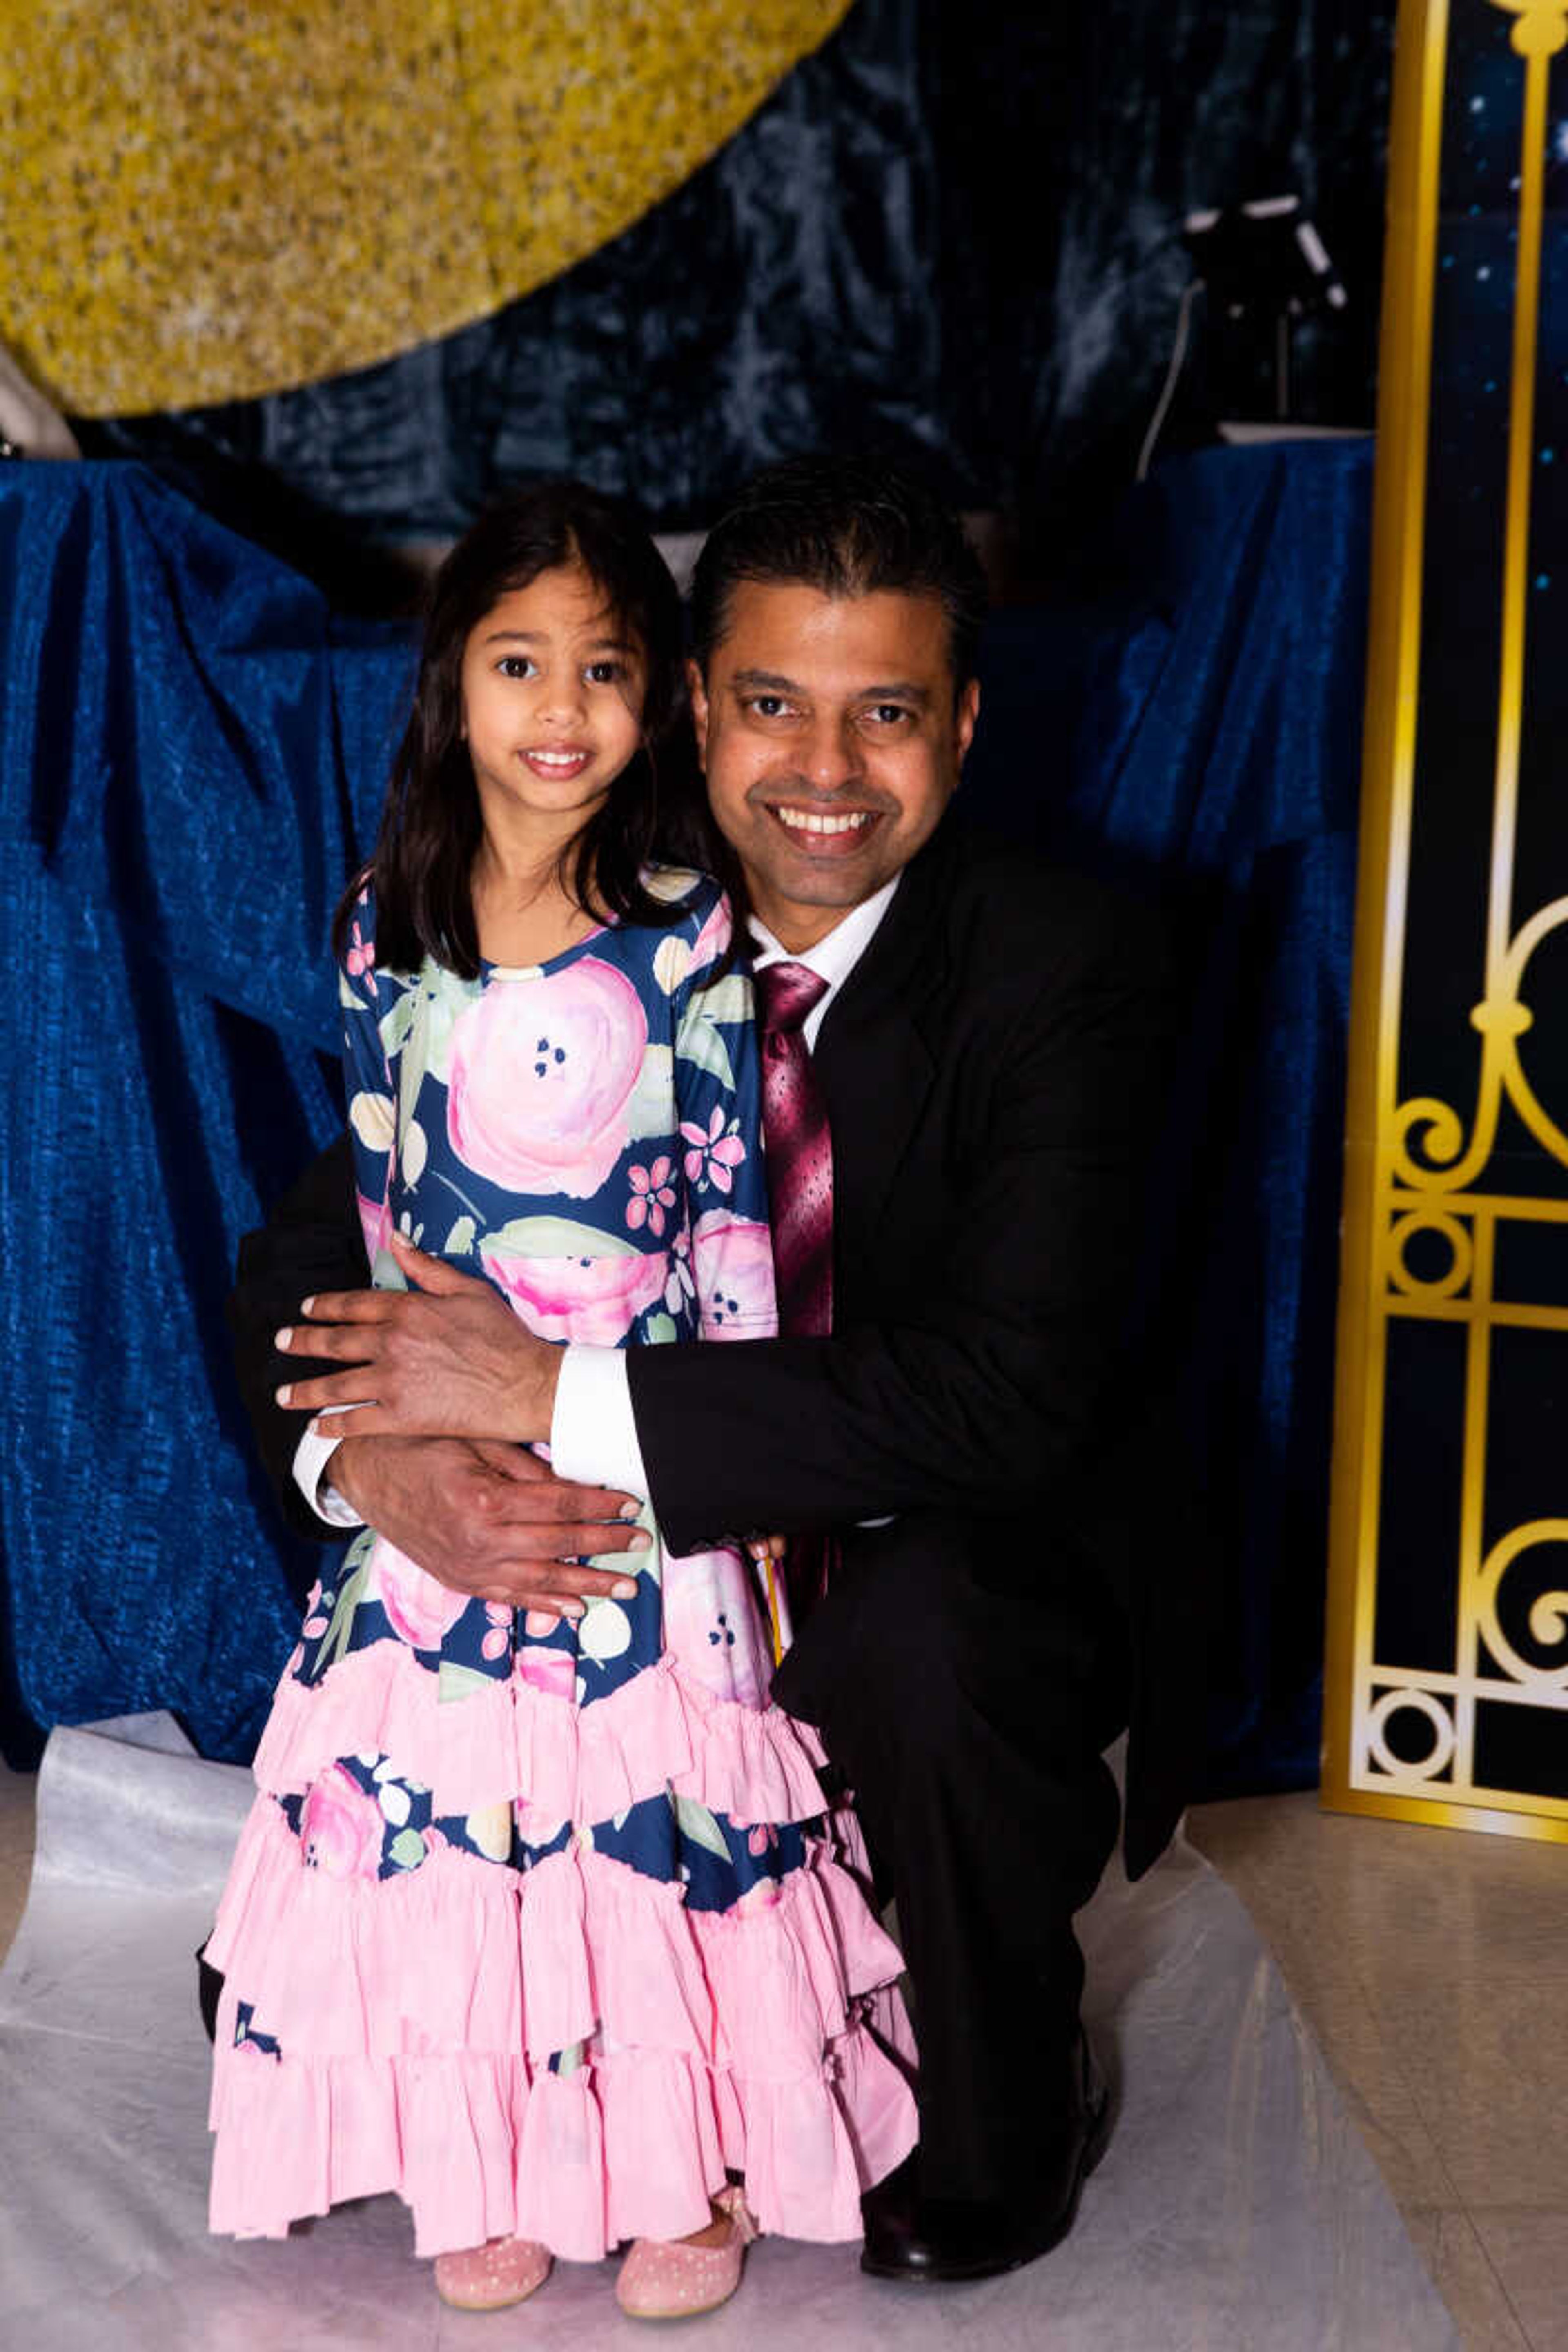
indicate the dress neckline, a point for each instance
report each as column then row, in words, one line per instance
column 490, row 970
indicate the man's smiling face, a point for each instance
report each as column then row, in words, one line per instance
column 832, row 741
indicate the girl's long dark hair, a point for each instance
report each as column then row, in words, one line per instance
column 430, row 825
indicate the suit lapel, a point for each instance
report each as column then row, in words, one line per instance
column 872, row 1056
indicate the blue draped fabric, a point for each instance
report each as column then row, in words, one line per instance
column 193, row 750
column 191, row 747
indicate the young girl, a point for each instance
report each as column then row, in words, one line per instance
column 536, row 1919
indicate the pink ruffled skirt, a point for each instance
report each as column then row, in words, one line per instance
column 568, row 2050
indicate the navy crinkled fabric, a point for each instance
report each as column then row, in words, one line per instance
column 192, row 750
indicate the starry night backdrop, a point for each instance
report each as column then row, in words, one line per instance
column 953, row 233
column 1466, row 475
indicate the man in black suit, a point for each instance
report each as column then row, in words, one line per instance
column 988, row 1049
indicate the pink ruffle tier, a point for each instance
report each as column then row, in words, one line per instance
column 576, row 1764
column 415, row 2038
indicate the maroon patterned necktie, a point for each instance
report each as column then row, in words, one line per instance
column 799, row 1148
column 799, row 1153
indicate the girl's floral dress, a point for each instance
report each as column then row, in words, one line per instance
column 541, row 1924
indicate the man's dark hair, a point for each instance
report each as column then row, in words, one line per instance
column 848, row 526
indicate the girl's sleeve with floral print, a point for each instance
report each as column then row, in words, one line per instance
column 367, row 1083
column 718, row 1093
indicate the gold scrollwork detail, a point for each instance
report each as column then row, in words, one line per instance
column 1454, row 1278
column 1548, row 1611
column 1412, row 1702
column 1541, row 26
column 1502, row 1019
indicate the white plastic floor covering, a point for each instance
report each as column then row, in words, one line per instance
column 1238, row 2211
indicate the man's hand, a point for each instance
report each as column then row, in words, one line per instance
column 447, row 1360
column 489, row 1519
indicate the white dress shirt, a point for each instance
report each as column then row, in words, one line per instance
column 593, row 1432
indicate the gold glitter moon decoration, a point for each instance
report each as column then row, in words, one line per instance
column 206, row 203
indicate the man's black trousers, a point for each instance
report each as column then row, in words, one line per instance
column 967, row 1692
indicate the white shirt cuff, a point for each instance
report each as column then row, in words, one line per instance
column 593, row 1431
column 311, row 1456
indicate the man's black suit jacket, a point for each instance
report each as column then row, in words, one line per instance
column 994, row 1070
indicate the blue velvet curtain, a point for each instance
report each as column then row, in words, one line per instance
column 193, row 747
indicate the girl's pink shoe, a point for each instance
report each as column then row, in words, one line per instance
column 489, row 2278
column 661, row 2280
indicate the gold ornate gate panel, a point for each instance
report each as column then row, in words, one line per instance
column 1448, row 1668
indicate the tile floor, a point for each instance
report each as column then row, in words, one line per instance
column 15, row 1849
column 1433, row 1967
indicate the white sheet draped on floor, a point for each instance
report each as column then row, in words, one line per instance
column 1237, row 2211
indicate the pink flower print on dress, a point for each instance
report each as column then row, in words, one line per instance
column 734, row 1257
column 541, row 1075
column 595, row 1299
column 420, row 1611
column 716, row 1151
column 340, row 1826
column 376, row 1223
column 708, row 1617
column 554, row 1672
column 652, row 1194
column 712, row 941
column 761, row 1837
column 360, row 958
column 681, row 1283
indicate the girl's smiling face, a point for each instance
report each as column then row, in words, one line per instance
column 552, row 696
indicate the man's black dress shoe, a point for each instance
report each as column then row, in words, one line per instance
column 938, row 2240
